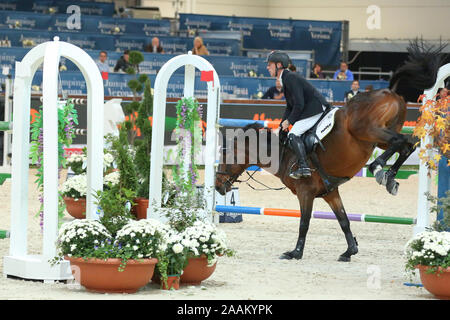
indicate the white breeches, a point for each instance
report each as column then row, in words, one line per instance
column 301, row 126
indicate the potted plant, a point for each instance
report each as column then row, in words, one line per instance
column 74, row 189
column 121, row 261
column 172, row 262
column 138, row 130
column 74, row 194
column 429, row 252
column 184, row 206
column 204, row 243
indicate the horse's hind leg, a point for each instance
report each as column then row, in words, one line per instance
column 335, row 202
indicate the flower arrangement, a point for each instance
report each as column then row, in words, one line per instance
column 141, row 239
column 67, row 118
column 205, row 238
column 434, row 122
column 111, row 179
column 189, row 141
column 77, row 163
column 75, row 187
column 174, row 259
column 91, row 239
column 428, row 248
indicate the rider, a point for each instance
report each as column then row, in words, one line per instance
column 304, row 106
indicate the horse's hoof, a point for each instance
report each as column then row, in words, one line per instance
column 343, row 258
column 289, row 255
column 392, row 187
column 381, row 177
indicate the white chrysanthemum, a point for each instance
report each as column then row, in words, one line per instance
column 113, row 178
column 77, row 183
column 74, row 158
column 108, row 159
column 177, row 248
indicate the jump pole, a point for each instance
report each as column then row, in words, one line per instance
column 316, row 214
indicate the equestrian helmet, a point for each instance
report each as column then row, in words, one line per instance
column 278, row 56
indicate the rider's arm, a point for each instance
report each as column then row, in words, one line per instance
column 295, row 89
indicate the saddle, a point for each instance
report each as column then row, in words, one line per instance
column 312, row 138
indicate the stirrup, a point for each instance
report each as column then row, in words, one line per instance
column 300, row 173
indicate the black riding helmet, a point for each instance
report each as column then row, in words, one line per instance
column 278, row 56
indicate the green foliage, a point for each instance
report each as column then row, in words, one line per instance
column 143, row 78
column 124, row 159
column 133, row 84
column 136, row 58
column 189, row 140
column 115, row 203
column 444, row 205
column 183, row 208
column 132, row 107
column 116, row 200
column 67, row 118
column 131, row 70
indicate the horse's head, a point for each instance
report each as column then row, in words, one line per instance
column 236, row 156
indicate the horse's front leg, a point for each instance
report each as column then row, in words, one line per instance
column 306, row 204
column 395, row 144
column 392, row 185
column 335, row 202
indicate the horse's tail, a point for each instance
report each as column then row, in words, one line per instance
column 421, row 68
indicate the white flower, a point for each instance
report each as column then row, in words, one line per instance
column 112, row 178
column 177, row 247
column 77, row 183
column 108, row 159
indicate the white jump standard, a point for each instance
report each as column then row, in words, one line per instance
column 19, row 263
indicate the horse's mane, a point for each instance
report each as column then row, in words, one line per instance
column 421, row 68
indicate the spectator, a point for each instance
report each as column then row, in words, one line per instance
column 102, row 62
column 353, row 92
column 368, row 88
column 442, row 93
column 123, row 63
column 275, row 92
column 343, row 73
column 292, row 67
column 199, row 47
column 316, row 72
column 154, row 46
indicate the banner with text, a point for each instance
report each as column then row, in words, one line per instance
column 324, row 37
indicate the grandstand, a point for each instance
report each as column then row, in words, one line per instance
column 237, row 45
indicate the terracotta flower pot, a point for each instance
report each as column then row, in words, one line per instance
column 172, row 282
column 103, row 276
column 436, row 283
column 76, row 208
column 139, row 210
column 197, row 270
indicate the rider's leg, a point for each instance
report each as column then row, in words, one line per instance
column 298, row 146
column 300, row 151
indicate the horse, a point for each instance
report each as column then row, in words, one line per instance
column 368, row 120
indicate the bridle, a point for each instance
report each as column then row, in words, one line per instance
column 232, row 178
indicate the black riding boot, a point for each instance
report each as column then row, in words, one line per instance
column 300, row 151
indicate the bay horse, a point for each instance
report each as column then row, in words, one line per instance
column 368, row 120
